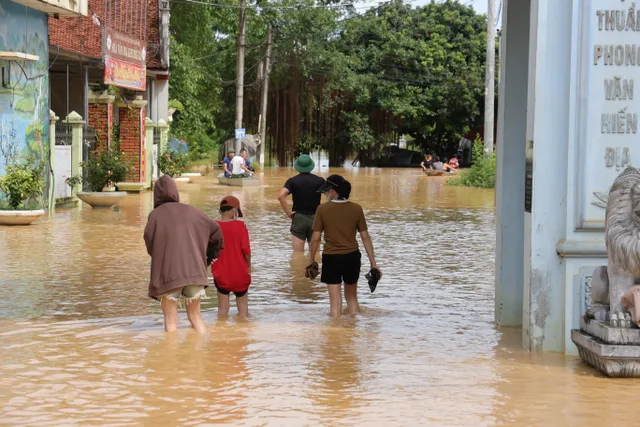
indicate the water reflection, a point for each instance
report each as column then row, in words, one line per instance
column 335, row 371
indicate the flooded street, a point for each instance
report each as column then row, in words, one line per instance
column 82, row 344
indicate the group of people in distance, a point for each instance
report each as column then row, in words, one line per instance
column 434, row 163
column 183, row 241
column 236, row 166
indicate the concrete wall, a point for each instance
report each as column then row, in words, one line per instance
column 24, row 104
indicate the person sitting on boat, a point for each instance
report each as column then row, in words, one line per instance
column 427, row 162
column 226, row 163
column 453, row 163
column 248, row 164
column 239, row 166
column 439, row 166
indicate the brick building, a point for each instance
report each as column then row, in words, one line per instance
column 121, row 44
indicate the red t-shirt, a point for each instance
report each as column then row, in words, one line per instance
column 230, row 270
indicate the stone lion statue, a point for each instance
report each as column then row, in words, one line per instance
column 613, row 287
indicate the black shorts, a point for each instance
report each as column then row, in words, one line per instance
column 226, row 292
column 337, row 269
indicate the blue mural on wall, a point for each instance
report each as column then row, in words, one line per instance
column 24, row 85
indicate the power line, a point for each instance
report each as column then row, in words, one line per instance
column 294, row 7
column 228, row 83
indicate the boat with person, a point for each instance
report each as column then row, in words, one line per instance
column 432, row 172
column 240, row 181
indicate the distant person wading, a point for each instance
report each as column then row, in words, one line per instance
column 306, row 199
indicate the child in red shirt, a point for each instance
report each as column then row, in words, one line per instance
column 232, row 270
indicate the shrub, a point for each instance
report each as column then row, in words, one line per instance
column 172, row 163
column 23, row 184
column 104, row 166
column 201, row 146
column 481, row 174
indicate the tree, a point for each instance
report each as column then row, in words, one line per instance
column 341, row 81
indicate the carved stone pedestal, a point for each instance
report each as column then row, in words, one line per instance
column 613, row 351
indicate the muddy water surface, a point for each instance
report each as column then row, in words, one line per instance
column 82, row 345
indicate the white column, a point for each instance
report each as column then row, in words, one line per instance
column 149, row 126
column 547, row 131
column 162, row 100
column 52, row 155
column 77, row 124
column 511, row 142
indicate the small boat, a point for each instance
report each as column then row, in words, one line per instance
column 248, row 181
column 431, row 172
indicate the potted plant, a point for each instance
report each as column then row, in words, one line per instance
column 104, row 167
column 21, row 192
column 173, row 163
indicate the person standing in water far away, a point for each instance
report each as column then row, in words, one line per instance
column 226, row 163
column 232, row 270
column 306, row 199
column 178, row 238
column 340, row 220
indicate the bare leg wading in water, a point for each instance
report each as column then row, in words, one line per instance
column 232, row 270
column 171, row 301
column 340, row 220
column 180, row 240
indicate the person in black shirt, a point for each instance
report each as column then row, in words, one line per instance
column 306, row 199
column 426, row 163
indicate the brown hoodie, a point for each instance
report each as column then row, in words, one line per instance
column 177, row 236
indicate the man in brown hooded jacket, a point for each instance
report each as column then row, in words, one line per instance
column 178, row 238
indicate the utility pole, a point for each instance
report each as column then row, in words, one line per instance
column 265, row 97
column 240, row 72
column 489, row 90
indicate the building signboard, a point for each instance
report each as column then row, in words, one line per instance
column 124, row 60
column 606, row 109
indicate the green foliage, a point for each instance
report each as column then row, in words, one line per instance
column 172, row 163
column 482, row 173
column 103, row 167
column 425, row 65
column 72, row 181
column 176, row 105
column 341, row 80
column 23, row 184
column 306, row 143
column 358, row 131
column 201, row 145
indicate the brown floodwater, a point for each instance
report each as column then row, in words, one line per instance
column 83, row 345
